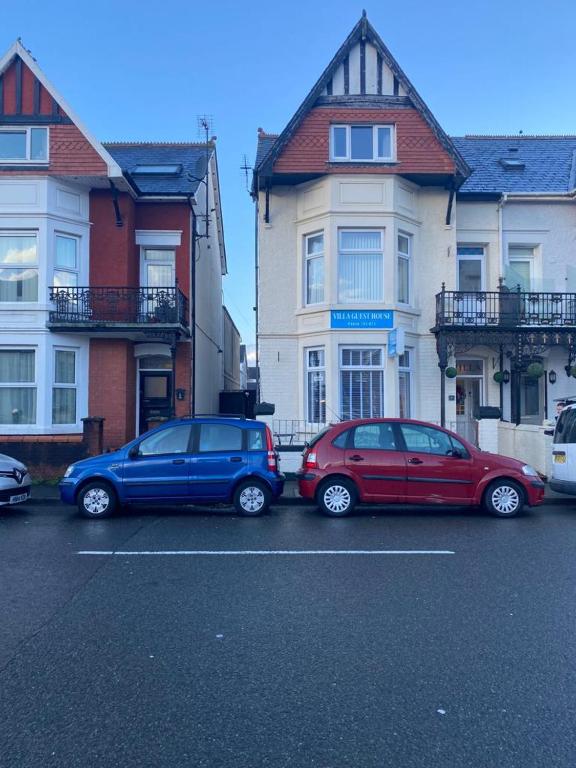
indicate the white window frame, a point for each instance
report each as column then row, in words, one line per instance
column 471, row 257
column 409, row 370
column 29, row 265
column 311, row 257
column 64, row 385
column 69, row 270
column 28, row 130
column 350, row 251
column 314, row 369
column 375, row 157
column 163, row 262
column 525, row 258
column 407, row 257
column 342, row 368
column 23, row 384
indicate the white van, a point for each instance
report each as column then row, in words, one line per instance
column 563, row 477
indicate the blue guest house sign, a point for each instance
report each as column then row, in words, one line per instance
column 362, row 319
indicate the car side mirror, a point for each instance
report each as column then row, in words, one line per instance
column 457, row 453
column 549, row 432
column 134, row 452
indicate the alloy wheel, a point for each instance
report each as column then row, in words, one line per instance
column 337, row 498
column 96, row 501
column 505, row 499
column 252, row 499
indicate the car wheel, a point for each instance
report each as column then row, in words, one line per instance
column 97, row 500
column 252, row 498
column 337, row 498
column 504, row 498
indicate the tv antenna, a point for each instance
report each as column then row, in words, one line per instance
column 245, row 168
column 205, row 125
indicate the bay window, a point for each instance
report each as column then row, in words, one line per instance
column 64, row 387
column 17, row 386
column 18, row 267
column 315, row 386
column 314, row 271
column 404, row 248
column 66, row 261
column 362, row 143
column 361, row 383
column 360, row 266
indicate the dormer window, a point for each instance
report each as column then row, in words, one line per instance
column 362, row 143
column 23, row 145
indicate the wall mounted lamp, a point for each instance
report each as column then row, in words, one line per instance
column 505, row 376
column 552, row 377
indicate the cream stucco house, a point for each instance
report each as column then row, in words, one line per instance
column 402, row 272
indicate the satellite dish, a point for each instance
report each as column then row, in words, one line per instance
column 201, row 167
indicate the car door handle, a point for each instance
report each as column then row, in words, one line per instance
column 356, row 458
column 414, row 460
column 237, row 459
column 178, row 461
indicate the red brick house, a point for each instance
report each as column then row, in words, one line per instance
column 102, row 249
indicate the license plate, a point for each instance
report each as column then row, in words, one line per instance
column 20, row 497
column 559, row 458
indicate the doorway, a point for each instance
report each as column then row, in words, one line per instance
column 469, row 395
column 155, row 390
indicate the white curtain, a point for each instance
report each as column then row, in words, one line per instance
column 360, row 269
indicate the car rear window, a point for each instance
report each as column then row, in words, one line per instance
column 317, row 437
column 379, row 437
column 220, row 437
column 256, row 440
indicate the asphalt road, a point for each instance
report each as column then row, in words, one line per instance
column 313, row 660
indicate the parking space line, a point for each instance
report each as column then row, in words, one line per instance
column 266, row 552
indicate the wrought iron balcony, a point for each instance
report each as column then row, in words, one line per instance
column 504, row 310
column 118, row 308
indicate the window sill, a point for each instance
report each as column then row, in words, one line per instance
column 369, row 163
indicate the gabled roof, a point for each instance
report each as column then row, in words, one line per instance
column 544, row 164
column 18, row 50
column 130, row 155
column 362, row 31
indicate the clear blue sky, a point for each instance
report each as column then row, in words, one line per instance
column 138, row 70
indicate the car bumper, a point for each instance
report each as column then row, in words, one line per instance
column 307, row 483
column 277, row 486
column 14, row 495
column 67, row 490
column 563, row 486
column 535, row 492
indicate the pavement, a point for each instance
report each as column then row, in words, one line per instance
column 48, row 494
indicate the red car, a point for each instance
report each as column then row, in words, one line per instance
column 412, row 462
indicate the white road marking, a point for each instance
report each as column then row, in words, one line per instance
column 265, row 552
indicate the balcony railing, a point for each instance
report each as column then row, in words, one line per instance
column 504, row 309
column 90, row 307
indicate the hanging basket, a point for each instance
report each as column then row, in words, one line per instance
column 535, row 370
column 573, row 371
column 450, row 373
column 498, row 377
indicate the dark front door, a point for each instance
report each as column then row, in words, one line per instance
column 155, row 396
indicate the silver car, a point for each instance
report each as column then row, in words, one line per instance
column 15, row 481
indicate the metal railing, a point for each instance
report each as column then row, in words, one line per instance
column 504, row 309
column 294, row 431
column 97, row 305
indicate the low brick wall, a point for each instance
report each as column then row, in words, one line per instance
column 46, row 456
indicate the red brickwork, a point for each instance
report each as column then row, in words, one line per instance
column 171, row 216
column 112, row 389
column 418, row 149
column 114, row 255
column 183, row 377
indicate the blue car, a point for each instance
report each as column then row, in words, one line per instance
column 201, row 460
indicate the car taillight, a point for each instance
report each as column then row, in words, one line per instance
column 310, row 460
column 272, row 461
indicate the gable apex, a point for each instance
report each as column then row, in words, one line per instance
column 362, row 72
column 18, row 51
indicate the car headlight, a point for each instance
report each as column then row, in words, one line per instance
column 69, row 470
column 530, row 471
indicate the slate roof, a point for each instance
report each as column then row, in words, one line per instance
column 129, row 155
column 549, row 164
column 265, row 142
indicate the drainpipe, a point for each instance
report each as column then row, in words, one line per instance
column 192, row 307
column 502, row 202
column 256, row 279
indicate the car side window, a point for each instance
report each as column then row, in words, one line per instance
column 342, row 439
column 219, row 437
column 421, row 439
column 170, row 440
column 256, row 441
column 379, row 437
column 566, row 427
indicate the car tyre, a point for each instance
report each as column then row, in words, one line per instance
column 504, row 498
column 337, row 497
column 252, row 498
column 97, row 500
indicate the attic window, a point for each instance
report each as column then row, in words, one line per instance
column 157, row 170
column 362, row 143
column 23, row 145
column 512, row 164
